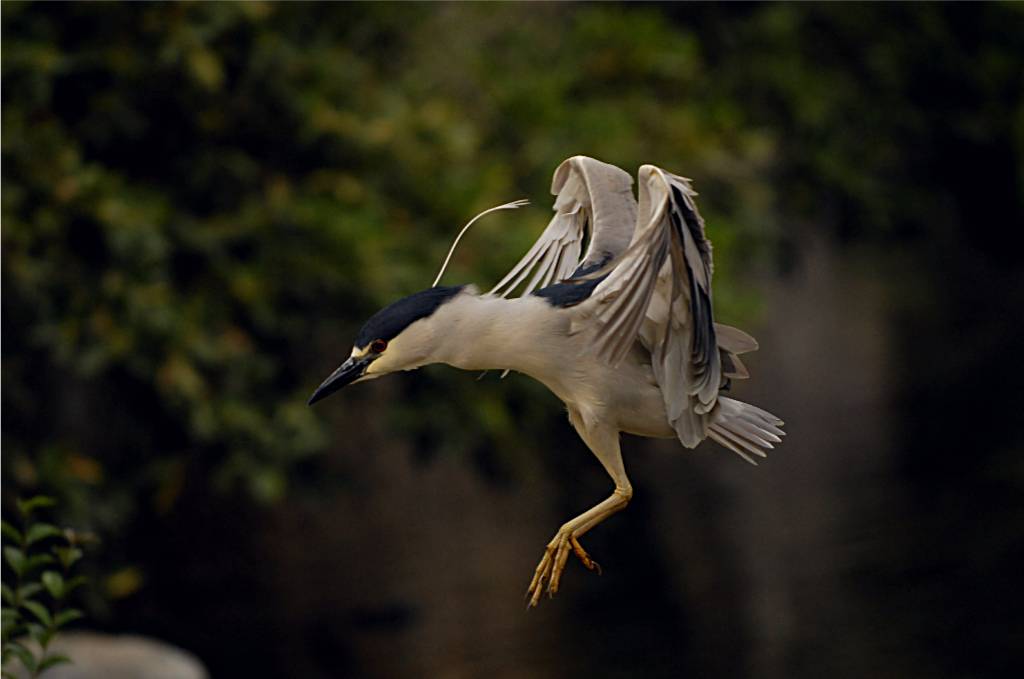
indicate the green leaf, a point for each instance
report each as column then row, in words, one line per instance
column 41, row 531
column 39, row 611
column 29, row 590
column 8, row 594
column 16, row 558
column 67, row 556
column 53, row 659
column 42, row 635
column 26, row 507
column 54, row 584
column 23, row 654
column 37, row 560
column 67, row 616
column 10, row 532
column 73, row 583
column 9, row 618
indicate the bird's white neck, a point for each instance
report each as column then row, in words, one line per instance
column 482, row 332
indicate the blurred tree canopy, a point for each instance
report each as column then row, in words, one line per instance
column 202, row 202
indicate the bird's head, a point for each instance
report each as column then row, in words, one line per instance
column 402, row 336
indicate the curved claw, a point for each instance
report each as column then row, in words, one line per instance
column 539, row 575
column 582, row 555
column 552, row 564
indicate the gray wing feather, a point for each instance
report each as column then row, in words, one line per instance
column 591, row 198
column 563, row 234
column 745, row 429
column 734, row 340
column 731, row 343
column 659, row 291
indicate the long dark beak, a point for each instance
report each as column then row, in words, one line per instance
column 350, row 371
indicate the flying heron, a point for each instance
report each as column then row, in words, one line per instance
column 624, row 336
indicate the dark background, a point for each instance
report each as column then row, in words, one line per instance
column 202, row 203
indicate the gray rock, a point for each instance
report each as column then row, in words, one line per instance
column 106, row 656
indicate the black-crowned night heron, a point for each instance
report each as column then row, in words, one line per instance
column 624, row 337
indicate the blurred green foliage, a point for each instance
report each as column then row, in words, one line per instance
column 202, row 201
column 40, row 557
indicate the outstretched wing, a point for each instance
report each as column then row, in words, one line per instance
column 592, row 199
column 659, row 291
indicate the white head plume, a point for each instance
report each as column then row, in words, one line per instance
column 507, row 206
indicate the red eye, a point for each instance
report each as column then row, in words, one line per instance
column 377, row 346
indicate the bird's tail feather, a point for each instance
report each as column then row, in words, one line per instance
column 744, row 429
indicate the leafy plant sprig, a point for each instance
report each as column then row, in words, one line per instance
column 41, row 557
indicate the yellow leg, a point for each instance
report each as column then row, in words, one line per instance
column 604, row 443
column 566, row 540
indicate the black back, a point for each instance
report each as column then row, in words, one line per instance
column 572, row 291
column 396, row 317
column 569, row 293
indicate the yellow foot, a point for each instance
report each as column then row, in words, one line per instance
column 553, row 563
